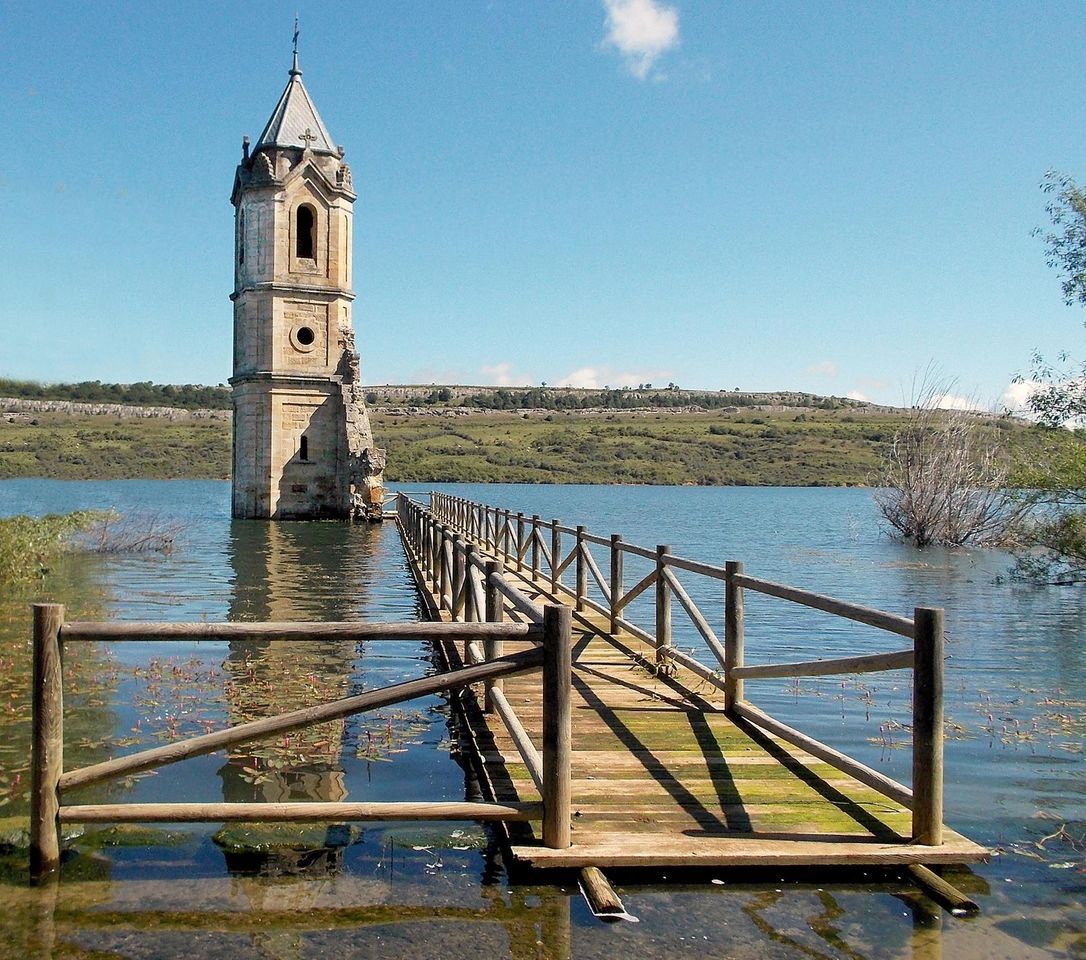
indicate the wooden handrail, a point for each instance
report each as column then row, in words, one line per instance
column 841, row 608
column 297, row 812
column 872, row 778
column 306, row 716
column 520, row 602
column 134, row 630
column 597, row 575
column 872, row 663
column 636, row 591
column 712, row 641
column 528, row 753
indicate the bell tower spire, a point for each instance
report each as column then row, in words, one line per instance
column 303, row 447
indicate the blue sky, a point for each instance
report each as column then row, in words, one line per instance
column 819, row 196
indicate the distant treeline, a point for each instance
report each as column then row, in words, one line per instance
column 541, row 398
column 195, row 397
column 145, row 394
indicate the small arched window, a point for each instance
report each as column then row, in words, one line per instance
column 241, row 236
column 303, row 449
column 305, row 233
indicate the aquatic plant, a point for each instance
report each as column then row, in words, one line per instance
column 30, row 545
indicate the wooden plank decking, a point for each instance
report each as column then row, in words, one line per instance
column 663, row 778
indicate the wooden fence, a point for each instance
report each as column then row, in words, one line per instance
column 51, row 782
column 451, row 534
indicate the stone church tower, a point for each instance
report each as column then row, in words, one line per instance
column 303, row 448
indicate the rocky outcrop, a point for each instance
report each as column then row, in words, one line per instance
column 120, row 410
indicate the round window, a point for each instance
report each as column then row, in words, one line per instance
column 303, row 338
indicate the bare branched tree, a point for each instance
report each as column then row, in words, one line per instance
column 943, row 481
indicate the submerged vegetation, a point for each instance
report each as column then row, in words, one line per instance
column 30, row 545
column 945, row 477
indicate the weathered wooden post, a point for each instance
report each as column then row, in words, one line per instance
column 582, row 569
column 435, row 555
column 444, row 583
column 733, row 634
column 928, row 725
column 557, row 721
column 471, row 615
column 457, row 605
column 663, row 611
column 520, row 542
column 556, row 555
column 535, row 547
column 494, row 614
column 616, row 580
column 47, row 741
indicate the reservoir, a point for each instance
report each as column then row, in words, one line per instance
column 1015, row 777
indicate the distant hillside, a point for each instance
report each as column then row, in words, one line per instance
column 194, row 397
column 771, row 445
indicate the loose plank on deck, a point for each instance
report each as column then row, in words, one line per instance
column 663, row 778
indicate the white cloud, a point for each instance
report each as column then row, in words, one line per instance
column 1015, row 398
column 873, row 383
column 952, row 401
column 825, row 368
column 501, row 375
column 595, row 378
column 856, row 395
column 641, row 30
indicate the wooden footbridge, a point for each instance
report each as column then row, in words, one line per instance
column 653, row 758
column 598, row 743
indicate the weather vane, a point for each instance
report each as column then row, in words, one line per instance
column 295, row 34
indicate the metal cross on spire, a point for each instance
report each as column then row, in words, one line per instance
column 308, row 137
column 294, row 70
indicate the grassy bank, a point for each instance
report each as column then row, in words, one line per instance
column 737, row 447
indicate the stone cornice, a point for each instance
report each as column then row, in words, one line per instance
column 333, row 293
column 286, row 379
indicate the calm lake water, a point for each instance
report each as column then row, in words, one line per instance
column 1016, row 706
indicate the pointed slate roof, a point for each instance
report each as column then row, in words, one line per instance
column 293, row 116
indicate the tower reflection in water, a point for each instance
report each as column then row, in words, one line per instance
column 282, row 572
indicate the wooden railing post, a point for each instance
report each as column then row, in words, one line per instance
column 494, row 614
column 582, row 569
column 520, row 542
column 616, row 580
column 663, row 611
column 928, row 726
column 471, row 615
column 47, row 741
column 446, row 571
column 556, row 558
column 557, row 722
column 457, row 605
column 733, row 634
column 535, row 547
column 435, row 555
